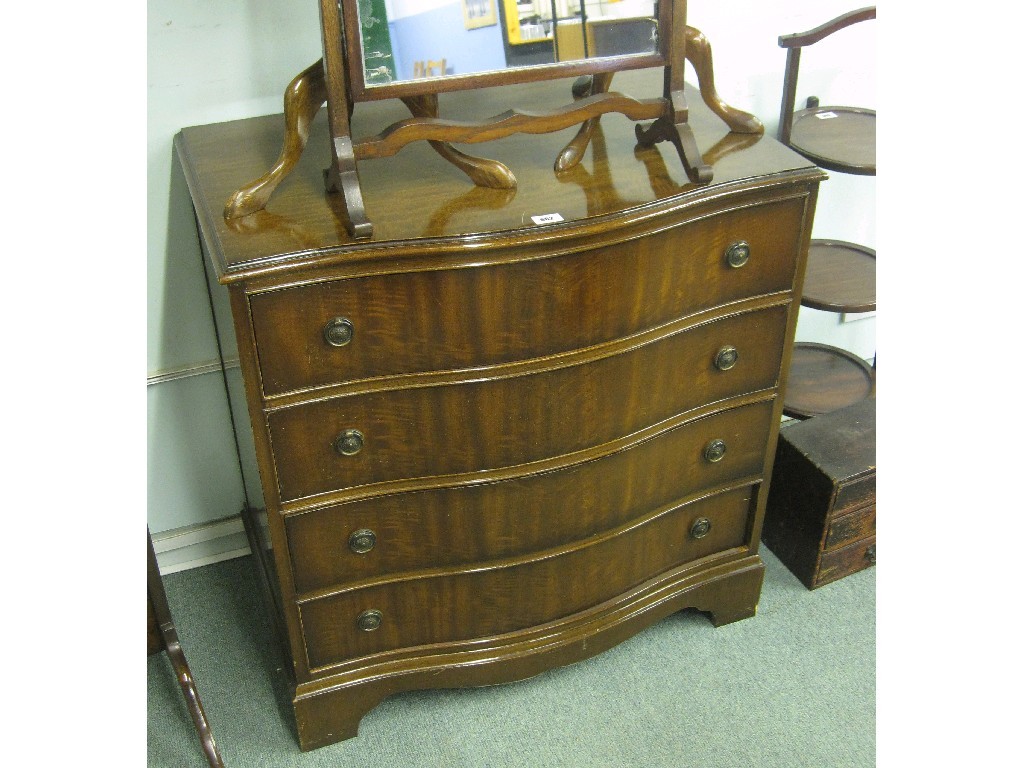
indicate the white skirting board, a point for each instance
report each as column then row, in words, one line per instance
column 191, row 547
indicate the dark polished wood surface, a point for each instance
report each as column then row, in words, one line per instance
column 501, row 313
column 417, row 195
column 823, row 378
column 837, row 138
column 454, row 525
column 556, row 434
column 840, row 277
column 482, row 424
column 486, row 601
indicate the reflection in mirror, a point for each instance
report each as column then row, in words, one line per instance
column 411, row 39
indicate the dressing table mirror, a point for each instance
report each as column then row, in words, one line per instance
column 414, row 51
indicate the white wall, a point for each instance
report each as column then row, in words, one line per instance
column 218, row 60
column 208, row 61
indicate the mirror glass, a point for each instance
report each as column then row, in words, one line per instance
column 406, row 40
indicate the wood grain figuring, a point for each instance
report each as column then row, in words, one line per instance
column 492, row 601
column 477, row 425
column 450, row 527
column 302, row 100
column 448, row 319
column 535, row 400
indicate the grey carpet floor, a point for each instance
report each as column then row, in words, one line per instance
column 793, row 686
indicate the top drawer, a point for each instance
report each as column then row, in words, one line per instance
column 456, row 318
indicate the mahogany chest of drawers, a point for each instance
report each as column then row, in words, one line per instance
column 820, row 518
column 488, row 448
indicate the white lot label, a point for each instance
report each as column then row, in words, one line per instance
column 826, row 115
column 547, row 218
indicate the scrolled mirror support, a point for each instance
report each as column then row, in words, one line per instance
column 340, row 83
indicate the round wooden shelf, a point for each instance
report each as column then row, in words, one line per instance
column 823, row 379
column 837, row 138
column 840, row 277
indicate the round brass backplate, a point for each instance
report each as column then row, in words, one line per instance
column 726, row 357
column 349, row 442
column 370, row 620
column 700, row 528
column 738, row 254
column 362, row 541
column 714, row 451
column 338, row 331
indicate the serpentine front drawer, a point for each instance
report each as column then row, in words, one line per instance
column 490, row 423
column 381, row 325
column 456, row 525
column 504, row 596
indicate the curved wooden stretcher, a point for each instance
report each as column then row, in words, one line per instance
column 307, row 93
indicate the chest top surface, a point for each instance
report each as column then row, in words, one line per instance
column 418, row 198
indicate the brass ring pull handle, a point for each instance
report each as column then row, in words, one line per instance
column 370, row 620
column 700, row 528
column 338, row 331
column 362, row 541
column 726, row 357
column 349, row 442
column 714, row 451
column 738, row 254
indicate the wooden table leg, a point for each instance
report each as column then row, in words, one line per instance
column 164, row 630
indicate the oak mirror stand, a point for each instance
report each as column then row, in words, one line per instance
column 590, row 40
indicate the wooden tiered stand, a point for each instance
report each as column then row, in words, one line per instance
column 840, row 275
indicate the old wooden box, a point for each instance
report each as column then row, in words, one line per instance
column 820, row 516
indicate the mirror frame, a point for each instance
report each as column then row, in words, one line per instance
column 344, row 87
column 348, row 11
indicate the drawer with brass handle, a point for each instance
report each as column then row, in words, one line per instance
column 455, row 525
column 482, row 424
column 382, row 325
column 488, row 599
